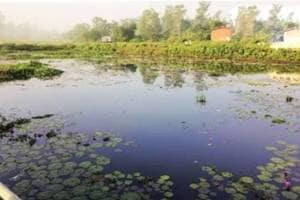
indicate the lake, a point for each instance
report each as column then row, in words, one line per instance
column 134, row 131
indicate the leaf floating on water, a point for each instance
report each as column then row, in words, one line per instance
column 130, row 196
column 247, row 180
column 194, row 186
column 289, row 195
column 71, row 182
column 168, row 194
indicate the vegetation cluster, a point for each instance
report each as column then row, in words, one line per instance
column 23, row 71
column 233, row 51
column 174, row 26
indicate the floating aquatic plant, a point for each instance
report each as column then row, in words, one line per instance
column 63, row 167
column 268, row 185
column 289, row 99
column 201, row 99
column 278, row 121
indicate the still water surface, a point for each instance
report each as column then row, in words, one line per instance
column 173, row 134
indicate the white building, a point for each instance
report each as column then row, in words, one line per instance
column 292, row 36
column 291, row 39
column 106, row 39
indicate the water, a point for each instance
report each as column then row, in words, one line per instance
column 157, row 109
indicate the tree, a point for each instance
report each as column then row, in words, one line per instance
column 100, row 28
column 124, row 31
column 217, row 21
column 290, row 23
column 173, row 20
column 274, row 25
column 80, row 32
column 246, row 21
column 148, row 26
column 201, row 23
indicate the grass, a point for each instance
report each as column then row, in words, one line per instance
column 24, row 71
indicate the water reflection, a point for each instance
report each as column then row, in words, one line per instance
column 176, row 74
column 286, row 78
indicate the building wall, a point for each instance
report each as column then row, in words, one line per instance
column 292, row 36
column 222, row 34
column 291, row 39
column 106, row 39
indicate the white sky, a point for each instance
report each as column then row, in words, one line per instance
column 61, row 15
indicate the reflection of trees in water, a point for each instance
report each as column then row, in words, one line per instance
column 116, row 67
column 174, row 78
column 149, row 74
column 199, row 80
column 129, row 67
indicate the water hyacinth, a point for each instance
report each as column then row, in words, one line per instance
column 64, row 167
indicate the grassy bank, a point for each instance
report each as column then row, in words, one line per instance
column 232, row 51
column 23, row 71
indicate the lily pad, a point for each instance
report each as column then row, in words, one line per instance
column 247, row 180
column 44, row 195
column 194, row 186
column 131, row 196
column 289, row 195
column 63, row 195
column 296, row 189
column 85, row 164
column 71, row 182
column 168, row 194
column 96, row 195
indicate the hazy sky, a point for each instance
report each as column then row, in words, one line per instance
column 61, row 15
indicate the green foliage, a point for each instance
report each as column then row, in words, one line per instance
column 148, row 26
column 246, row 51
column 246, row 21
column 80, row 32
column 201, row 22
column 274, row 24
column 173, row 21
column 201, row 99
column 124, row 31
column 100, row 28
column 25, row 71
column 173, row 27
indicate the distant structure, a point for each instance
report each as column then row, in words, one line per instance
column 292, row 36
column 106, row 39
column 221, row 34
column 291, row 39
column 187, row 42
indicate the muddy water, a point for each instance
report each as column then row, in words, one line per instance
column 157, row 110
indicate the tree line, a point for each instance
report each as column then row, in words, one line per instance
column 174, row 26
